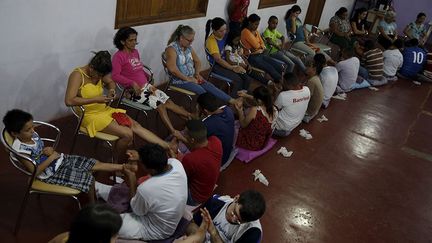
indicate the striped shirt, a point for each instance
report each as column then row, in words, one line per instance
column 374, row 63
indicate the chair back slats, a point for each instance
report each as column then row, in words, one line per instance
column 15, row 157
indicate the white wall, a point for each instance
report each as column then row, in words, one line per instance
column 42, row 41
column 330, row 8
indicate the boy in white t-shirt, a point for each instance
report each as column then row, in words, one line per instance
column 292, row 103
column 159, row 202
column 393, row 58
column 329, row 77
column 348, row 70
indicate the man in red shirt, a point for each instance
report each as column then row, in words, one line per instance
column 237, row 11
column 203, row 163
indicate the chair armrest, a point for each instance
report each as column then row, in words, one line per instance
column 150, row 72
column 55, row 141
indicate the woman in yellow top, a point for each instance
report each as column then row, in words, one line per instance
column 85, row 87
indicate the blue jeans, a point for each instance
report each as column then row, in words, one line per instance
column 282, row 57
column 361, row 85
column 267, row 64
column 202, row 88
column 363, row 72
column 281, row 133
column 290, row 60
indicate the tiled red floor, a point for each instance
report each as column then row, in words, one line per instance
column 352, row 182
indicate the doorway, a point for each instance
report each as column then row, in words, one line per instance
column 313, row 15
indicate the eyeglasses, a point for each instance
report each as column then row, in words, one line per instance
column 235, row 214
column 190, row 41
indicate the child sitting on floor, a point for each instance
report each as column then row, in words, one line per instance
column 373, row 62
column 316, row 92
column 53, row 167
column 256, row 126
column 414, row 59
column 328, row 76
column 348, row 70
column 393, row 58
column 292, row 103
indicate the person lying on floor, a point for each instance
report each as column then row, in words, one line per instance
column 53, row 167
column 159, row 202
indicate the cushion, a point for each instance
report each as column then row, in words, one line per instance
column 249, row 155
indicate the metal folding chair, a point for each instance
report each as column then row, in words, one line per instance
column 34, row 185
column 171, row 87
column 212, row 74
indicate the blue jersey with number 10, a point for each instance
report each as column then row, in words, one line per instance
column 414, row 59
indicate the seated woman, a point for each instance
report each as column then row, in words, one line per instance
column 387, row 28
column 215, row 44
column 341, row 29
column 295, row 26
column 254, row 48
column 417, row 29
column 85, row 87
column 127, row 70
column 183, row 63
column 256, row 126
column 358, row 25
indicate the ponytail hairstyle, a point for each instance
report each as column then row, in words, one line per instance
column 320, row 62
column 181, row 30
column 251, row 19
column 101, row 62
column 214, row 24
column 293, row 9
column 264, row 95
